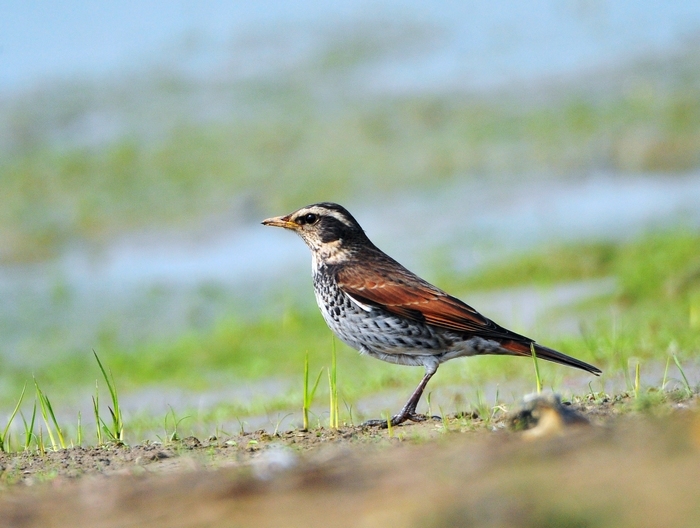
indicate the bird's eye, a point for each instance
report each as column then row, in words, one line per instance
column 309, row 218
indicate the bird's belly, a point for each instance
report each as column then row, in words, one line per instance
column 380, row 333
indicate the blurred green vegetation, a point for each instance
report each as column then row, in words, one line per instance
column 657, row 266
column 286, row 145
column 656, row 306
column 656, row 310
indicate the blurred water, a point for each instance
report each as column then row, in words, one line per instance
column 485, row 216
column 479, row 220
column 144, row 286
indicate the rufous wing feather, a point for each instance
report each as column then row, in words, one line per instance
column 407, row 295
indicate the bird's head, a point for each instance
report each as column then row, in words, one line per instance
column 329, row 230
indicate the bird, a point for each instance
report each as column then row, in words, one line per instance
column 378, row 307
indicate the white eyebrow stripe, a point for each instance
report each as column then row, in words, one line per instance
column 321, row 211
column 338, row 217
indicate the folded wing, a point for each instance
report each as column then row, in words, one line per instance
column 407, row 295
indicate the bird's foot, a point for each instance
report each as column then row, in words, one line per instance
column 399, row 419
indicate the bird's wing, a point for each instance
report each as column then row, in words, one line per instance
column 396, row 290
column 405, row 294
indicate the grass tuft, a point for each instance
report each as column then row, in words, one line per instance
column 116, row 432
column 29, row 428
column 686, row 384
column 308, row 394
column 47, row 413
column 174, row 435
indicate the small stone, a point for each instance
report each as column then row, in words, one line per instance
column 544, row 415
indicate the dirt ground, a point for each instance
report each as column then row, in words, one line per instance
column 620, row 469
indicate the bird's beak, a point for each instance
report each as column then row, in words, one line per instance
column 280, row 221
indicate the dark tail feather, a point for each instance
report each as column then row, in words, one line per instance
column 519, row 348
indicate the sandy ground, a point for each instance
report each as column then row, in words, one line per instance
column 629, row 469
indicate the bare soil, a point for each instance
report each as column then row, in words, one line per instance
column 623, row 469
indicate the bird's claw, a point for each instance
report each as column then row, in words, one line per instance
column 399, row 419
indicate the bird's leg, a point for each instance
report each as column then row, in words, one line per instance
column 408, row 412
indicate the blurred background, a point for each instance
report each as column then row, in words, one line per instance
column 141, row 143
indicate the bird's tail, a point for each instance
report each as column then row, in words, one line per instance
column 522, row 348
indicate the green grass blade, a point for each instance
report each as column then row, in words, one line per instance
column 46, row 412
column 59, row 431
column 665, row 378
column 29, row 428
column 40, row 442
column 688, row 389
column 96, row 411
column 42, row 407
column 333, row 390
column 306, row 402
column 4, row 440
column 318, row 380
column 117, row 431
column 79, row 440
column 309, row 394
column 537, row 368
column 348, row 408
